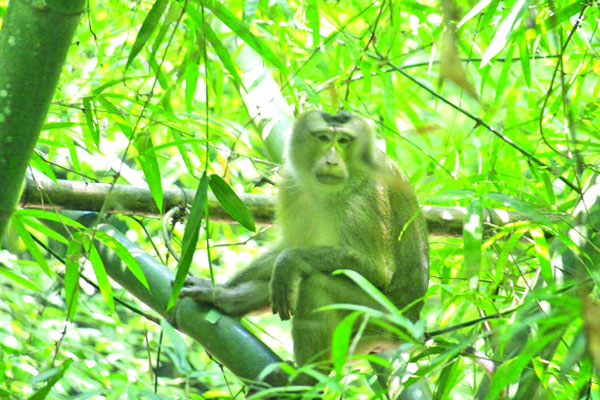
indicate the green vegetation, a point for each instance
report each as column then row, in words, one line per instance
column 483, row 105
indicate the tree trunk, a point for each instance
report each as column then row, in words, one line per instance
column 34, row 40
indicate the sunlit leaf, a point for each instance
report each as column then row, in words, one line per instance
column 123, row 253
column 93, row 129
column 18, row 279
column 312, row 16
column 243, row 32
column 51, row 377
column 32, row 246
column 149, row 164
column 102, row 277
column 190, row 237
column 231, row 202
column 75, row 251
column 341, row 342
column 506, row 28
column 147, row 28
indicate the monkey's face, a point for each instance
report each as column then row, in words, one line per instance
column 327, row 149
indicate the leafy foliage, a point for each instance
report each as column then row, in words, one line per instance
column 159, row 94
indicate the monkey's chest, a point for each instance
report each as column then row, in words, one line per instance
column 309, row 227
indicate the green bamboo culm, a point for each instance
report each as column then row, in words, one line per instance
column 35, row 37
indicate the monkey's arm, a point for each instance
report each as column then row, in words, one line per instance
column 294, row 264
column 246, row 291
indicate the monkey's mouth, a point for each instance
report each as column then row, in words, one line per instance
column 329, row 179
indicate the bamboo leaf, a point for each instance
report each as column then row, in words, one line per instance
column 93, row 130
column 312, row 17
column 149, row 164
column 244, row 33
column 130, row 262
column 479, row 7
column 231, row 202
column 32, row 247
column 543, row 254
column 525, row 61
column 341, row 342
column 148, row 27
column 102, row 278
column 223, row 54
column 501, row 85
column 74, row 252
column 506, row 28
column 18, row 279
column 52, row 376
column 190, row 238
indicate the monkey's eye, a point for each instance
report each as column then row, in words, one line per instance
column 324, row 137
column 345, row 139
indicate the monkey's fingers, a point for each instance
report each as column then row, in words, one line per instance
column 199, row 293
column 280, row 304
column 193, row 281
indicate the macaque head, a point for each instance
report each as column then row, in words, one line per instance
column 327, row 149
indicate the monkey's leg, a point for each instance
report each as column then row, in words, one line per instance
column 312, row 330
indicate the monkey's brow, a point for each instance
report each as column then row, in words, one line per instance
column 334, row 129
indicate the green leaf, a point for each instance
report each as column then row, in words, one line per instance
column 52, row 375
column 93, row 129
column 369, row 288
column 74, row 252
column 472, row 235
column 102, row 277
column 149, row 164
column 171, row 16
column 341, row 342
column 148, row 26
column 32, row 247
column 191, row 80
column 231, row 202
column 528, row 210
column 223, row 54
column 525, row 61
column 509, row 371
column 119, row 117
column 504, row 74
column 51, row 216
column 18, row 279
column 38, row 162
column 123, row 253
column 542, row 251
column 244, row 33
column 562, row 15
column 179, row 354
column 479, row 7
column 190, row 238
column 312, row 17
column 506, row 28
column 44, row 230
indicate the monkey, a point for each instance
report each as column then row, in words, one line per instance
column 341, row 204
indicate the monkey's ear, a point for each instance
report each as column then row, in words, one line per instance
column 367, row 155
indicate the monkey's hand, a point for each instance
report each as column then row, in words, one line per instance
column 286, row 274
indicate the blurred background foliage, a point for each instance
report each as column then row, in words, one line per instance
column 483, row 104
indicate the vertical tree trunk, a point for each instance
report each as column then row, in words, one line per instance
column 34, row 40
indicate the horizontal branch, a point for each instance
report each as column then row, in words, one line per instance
column 132, row 200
